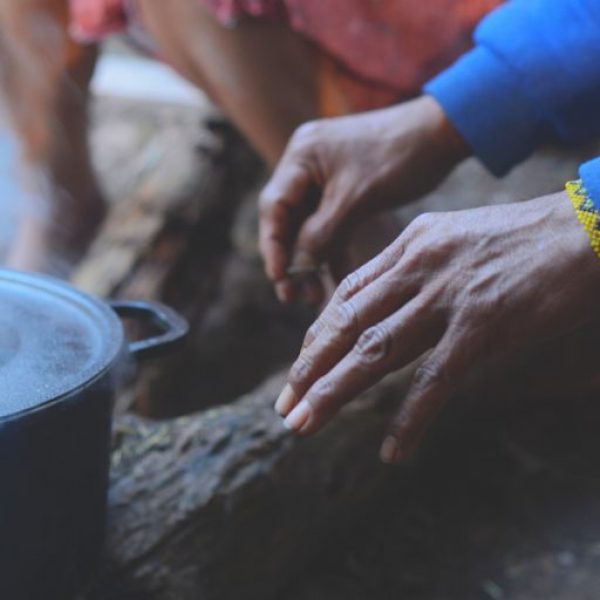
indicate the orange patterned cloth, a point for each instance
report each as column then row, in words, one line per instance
column 395, row 46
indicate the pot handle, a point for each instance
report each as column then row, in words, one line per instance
column 174, row 327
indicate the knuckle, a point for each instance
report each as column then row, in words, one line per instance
column 300, row 371
column 428, row 246
column 392, row 252
column 312, row 333
column 351, row 284
column 422, row 222
column 426, row 230
column 373, row 346
column 267, row 200
column 322, row 393
column 344, row 321
column 429, row 374
column 306, row 133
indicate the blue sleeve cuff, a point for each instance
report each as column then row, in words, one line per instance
column 590, row 175
column 481, row 96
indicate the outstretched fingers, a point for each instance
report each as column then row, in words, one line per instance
column 364, row 298
column 355, row 283
column 381, row 349
column 435, row 382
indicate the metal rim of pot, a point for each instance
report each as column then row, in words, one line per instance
column 172, row 327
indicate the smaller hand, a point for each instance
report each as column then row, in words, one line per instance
column 335, row 172
column 469, row 286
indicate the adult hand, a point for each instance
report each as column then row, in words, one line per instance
column 468, row 285
column 358, row 165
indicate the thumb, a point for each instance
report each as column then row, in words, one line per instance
column 279, row 202
column 318, row 243
column 320, row 234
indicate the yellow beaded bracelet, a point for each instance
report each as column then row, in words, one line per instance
column 586, row 211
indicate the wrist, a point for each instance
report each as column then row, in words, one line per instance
column 444, row 136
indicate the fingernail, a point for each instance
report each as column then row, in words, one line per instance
column 298, row 417
column 286, row 401
column 390, row 452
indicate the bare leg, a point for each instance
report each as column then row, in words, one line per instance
column 262, row 75
column 267, row 78
column 45, row 77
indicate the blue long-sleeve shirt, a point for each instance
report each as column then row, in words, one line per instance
column 534, row 76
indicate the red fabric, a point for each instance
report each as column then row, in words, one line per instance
column 400, row 44
column 91, row 20
column 397, row 44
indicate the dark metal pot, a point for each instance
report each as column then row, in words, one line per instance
column 61, row 352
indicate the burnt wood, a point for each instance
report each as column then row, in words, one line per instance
column 228, row 504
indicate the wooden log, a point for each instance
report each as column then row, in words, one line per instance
column 227, row 503
column 177, row 178
column 164, row 169
column 224, row 503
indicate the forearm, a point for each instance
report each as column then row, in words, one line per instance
column 532, row 78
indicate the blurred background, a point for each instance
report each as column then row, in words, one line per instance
column 210, row 497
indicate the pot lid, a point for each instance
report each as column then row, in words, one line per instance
column 53, row 340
